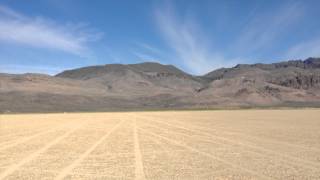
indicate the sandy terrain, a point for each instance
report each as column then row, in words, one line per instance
column 240, row 144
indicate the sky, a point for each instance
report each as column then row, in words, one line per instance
column 198, row 36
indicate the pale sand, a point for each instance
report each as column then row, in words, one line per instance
column 239, row 144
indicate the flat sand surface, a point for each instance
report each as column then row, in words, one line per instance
column 238, row 144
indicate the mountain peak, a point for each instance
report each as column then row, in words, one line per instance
column 157, row 68
column 101, row 70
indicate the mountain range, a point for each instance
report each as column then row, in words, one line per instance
column 150, row 85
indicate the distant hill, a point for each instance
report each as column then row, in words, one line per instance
column 156, row 86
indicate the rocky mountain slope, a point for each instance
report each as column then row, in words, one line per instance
column 156, row 86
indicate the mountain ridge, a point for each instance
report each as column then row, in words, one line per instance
column 152, row 85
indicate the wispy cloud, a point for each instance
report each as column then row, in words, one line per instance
column 189, row 43
column 44, row 33
column 144, row 56
column 150, row 48
column 20, row 69
column 147, row 52
column 304, row 50
column 198, row 52
column 265, row 29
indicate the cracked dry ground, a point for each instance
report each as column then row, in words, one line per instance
column 240, row 144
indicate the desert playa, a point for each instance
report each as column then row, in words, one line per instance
column 226, row 144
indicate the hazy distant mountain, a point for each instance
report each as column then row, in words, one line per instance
column 156, row 86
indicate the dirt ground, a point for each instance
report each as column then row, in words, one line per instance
column 239, row 144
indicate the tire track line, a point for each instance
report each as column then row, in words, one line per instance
column 75, row 163
column 29, row 158
column 289, row 163
column 13, row 139
column 32, row 136
column 159, row 144
column 235, row 167
column 253, row 138
column 26, row 131
column 272, row 141
column 309, row 164
column 13, row 135
column 139, row 172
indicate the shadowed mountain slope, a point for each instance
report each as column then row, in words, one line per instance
column 296, row 74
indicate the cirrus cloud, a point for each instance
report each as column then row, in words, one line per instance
column 41, row 32
column 189, row 43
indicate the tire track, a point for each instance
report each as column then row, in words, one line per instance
column 68, row 169
column 26, row 131
column 253, row 138
column 309, row 164
column 160, row 145
column 289, row 163
column 139, row 172
column 16, row 142
column 261, row 176
column 17, row 134
column 32, row 136
column 14, row 167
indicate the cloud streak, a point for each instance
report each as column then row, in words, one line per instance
column 144, row 56
column 304, row 50
column 265, row 29
column 20, row 69
column 188, row 42
column 43, row 33
column 196, row 50
column 150, row 48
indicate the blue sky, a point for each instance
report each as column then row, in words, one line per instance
column 48, row 36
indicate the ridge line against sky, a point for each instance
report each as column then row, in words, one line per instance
column 196, row 36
